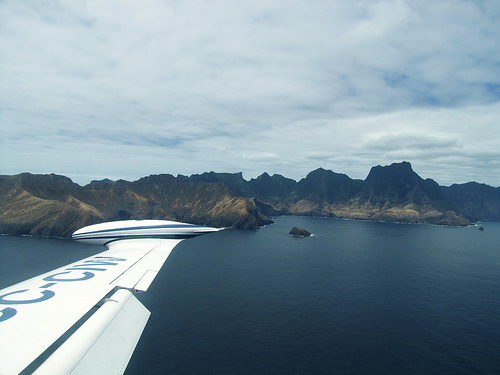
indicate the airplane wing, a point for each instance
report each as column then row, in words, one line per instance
column 83, row 317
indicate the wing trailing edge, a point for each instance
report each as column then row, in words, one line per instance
column 104, row 343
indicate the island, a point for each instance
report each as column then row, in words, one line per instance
column 54, row 206
column 299, row 232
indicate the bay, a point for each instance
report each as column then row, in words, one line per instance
column 355, row 298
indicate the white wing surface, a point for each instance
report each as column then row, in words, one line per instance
column 83, row 317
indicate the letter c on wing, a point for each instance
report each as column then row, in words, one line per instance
column 7, row 313
column 46, row 294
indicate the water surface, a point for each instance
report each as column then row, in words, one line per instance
column 355, row 298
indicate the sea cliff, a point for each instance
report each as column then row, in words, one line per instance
column 52, row 205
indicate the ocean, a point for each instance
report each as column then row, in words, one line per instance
column 357, row 297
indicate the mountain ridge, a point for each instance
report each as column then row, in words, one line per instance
column 54, row 206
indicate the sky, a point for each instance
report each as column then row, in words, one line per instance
column 126, row 88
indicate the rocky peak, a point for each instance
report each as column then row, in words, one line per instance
column 272, row 188
column 390, row 184
column 396, row 174
column 323, row 185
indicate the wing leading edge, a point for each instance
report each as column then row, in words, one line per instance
column 84, row 314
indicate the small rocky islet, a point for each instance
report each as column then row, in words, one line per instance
column 299, row 232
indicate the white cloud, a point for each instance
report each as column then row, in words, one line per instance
column 128, row 88
column 406, row 141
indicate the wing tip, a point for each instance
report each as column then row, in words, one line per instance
column 104, row 233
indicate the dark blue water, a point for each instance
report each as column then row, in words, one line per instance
column 356, row 298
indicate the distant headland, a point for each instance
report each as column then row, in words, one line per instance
column 52, row 205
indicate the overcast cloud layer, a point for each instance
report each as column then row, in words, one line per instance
column 124, row 89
